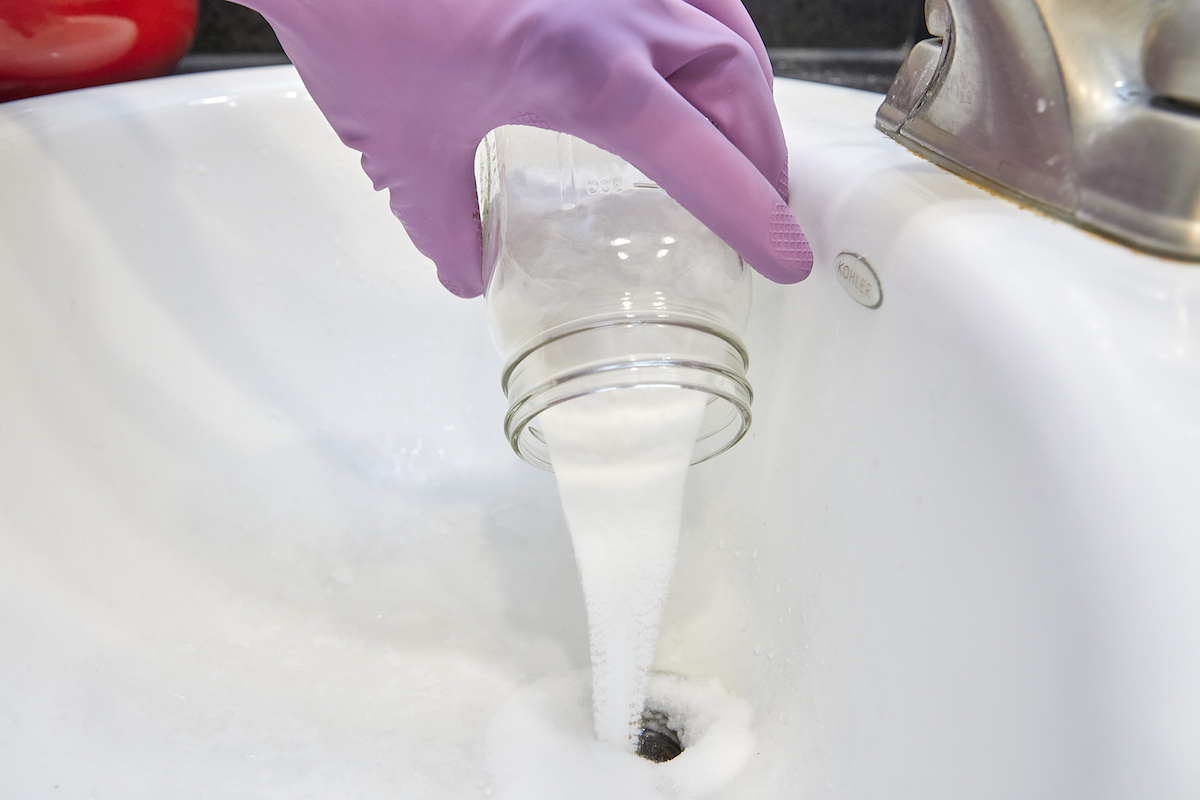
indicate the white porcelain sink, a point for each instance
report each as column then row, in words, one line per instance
column 261, row 534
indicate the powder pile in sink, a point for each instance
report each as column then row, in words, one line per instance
column 621, row 458
column 540, row 745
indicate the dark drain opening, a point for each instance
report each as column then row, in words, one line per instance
column 658, row 741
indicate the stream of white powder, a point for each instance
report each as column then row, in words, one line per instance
column 621, row 458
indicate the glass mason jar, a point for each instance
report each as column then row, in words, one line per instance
column 597, row 281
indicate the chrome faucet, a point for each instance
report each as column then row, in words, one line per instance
column 1088, row 109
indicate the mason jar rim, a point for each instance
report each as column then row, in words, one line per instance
column 710, row 361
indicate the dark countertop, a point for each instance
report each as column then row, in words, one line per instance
column 872, row 70
column 857, row 43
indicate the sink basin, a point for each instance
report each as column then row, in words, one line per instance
column 262, row 535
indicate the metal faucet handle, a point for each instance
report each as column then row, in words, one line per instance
column 1171, row 55
column 1090, row 111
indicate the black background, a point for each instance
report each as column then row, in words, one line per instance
column 864, row 24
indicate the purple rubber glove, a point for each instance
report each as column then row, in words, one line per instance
column 679, row 88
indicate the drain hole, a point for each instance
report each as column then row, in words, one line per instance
column 658, row 741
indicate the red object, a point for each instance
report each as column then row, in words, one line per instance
column 53, row 45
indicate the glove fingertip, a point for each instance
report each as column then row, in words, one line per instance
column 791, row 247
column 454, row 282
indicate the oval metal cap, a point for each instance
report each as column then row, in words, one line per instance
column 859, row 280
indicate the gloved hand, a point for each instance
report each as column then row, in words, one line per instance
column 679, row 88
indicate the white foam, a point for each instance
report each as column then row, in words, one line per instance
column 621, row 458
column 539, row 746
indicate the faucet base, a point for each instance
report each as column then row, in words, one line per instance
column 1053, row 111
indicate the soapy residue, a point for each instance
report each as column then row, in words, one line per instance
column 621, row 458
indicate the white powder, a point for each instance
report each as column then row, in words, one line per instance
column 539, row 746
column 621, row 458
column 564, row 253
